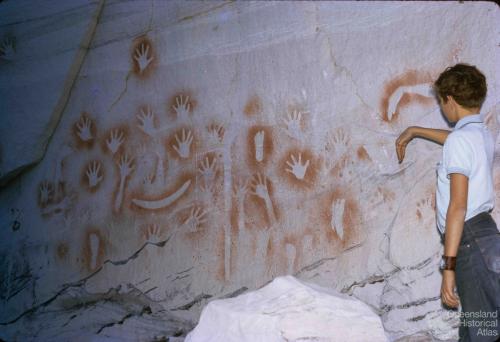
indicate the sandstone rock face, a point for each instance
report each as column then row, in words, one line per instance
column 288, row 310
column 206, row 148
column 41, row 53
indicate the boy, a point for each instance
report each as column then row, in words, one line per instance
column 464, row 198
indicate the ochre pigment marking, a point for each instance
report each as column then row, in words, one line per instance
column 338, row 151
column 253, row 245
column 217, row 186
column 310, row 176
column 256, row 209
column 270, row 253
column 296, row 242
column 50, row 188
column 145, row 110
column 387, row 194
column 233, row 263
column 137, row 46
column 199, row 234
column 496, row 180
column 340, row 165
column 171, row 103
column 237, row 214
column 454, row 55
column 304, row 113
column 80, row 144
column 321, row 216
column 124, row 128
column 351, row 220
column 220, row 254
column 211, row 157
column 126, row 194
column 62, row 250
column 87, row 249
column 407, row 99
column 276, row 207
column 218, row 129
column 363, row 154
column 253, row 106
column 60, row 193
column 268, row 147
column 409, row 78
column 179, row 182
column 315, row 233
column 427, row 203
column 171, row 142
column 84, row 180
column 433, row 199
column 234, row 215
column 419, row 214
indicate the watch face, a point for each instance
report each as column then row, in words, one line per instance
column 441, row 264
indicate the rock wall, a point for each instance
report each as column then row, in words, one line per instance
column 204, row 148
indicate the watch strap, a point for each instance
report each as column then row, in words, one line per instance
column 449, row 262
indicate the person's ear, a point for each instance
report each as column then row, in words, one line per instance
column 453, row 104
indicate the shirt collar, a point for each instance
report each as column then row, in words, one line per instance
column 468, row 119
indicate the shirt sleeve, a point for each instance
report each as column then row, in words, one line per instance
column 457, row 155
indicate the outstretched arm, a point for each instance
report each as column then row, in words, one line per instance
column 435, row 135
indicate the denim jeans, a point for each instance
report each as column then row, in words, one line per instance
column 478, row 279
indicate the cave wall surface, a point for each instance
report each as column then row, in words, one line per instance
column 42, row 49
column 196, row 150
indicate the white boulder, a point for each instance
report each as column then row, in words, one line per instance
column 288, row 310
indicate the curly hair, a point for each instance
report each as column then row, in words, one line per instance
column 465, row 83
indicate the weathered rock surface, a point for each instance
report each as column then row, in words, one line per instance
column 121, row 314
column 206, row 148
column 41, row 52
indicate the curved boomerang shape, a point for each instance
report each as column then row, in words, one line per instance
column 166, row 201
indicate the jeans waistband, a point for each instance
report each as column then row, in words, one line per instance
column 478, row 226
column 478, row 218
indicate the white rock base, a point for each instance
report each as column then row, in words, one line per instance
column 288, row 310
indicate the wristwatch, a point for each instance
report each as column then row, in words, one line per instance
column 448, row 263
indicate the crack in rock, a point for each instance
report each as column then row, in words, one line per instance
column 418, row 302
column 72, row 317
column 145, row 309
column 416, row 318
column 62, row 101
column 181, row 277
column 235, row 293
column 151, row 289
column 347, row 72
column 198, row 299
column 20, row 287
column 199, row 14
column 320, row 262
column 121, row 93
column 376, row 278
column 82, row 281
column 423, row 263
column 92, row 313
column 387, row 308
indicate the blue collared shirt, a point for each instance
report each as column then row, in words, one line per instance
column 468, row 150
column 473, row 118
